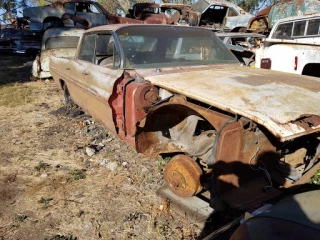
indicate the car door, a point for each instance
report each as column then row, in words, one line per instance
column 98, row 79
column 76, row 70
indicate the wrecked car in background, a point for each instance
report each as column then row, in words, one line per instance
column 293, row 46
column 41, row 17
column 219, row 15
column 266, row 18
column 21, row 41
column 59, row 42
column 149, row 13
column 242, row 45
column 178, row 90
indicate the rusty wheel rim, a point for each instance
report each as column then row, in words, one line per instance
column 182, row 175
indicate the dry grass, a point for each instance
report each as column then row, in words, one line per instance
column 12, row 95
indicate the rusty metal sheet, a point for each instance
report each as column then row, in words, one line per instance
column 292, row 8
column 62, row 52
column 274, row 100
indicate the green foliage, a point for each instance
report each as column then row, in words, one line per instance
column 77, row 174
column 316, row 178
column 41, row 166
column 79, row 214
column 253, row 6
column 162, row 163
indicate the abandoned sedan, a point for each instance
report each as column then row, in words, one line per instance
column 60, row 42
column 219, row 15
column 178, row 90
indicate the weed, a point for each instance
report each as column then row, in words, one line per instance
column 162, row 163
column 38, row 124
column 41, row 166
column 20, row 217
column 45, row 202
column 58, row 237
column 316, row 178
column 163, row 229
column 77, row 174
column 79, row 214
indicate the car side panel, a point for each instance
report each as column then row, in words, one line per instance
column 283, row 56
column 99, row 84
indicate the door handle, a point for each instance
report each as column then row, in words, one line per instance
column 85, row 73
column 94, row 92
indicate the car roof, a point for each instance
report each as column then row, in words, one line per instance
column 202, row 5
column 115, row 27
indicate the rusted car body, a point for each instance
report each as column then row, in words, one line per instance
column 266, row 18
column 59, row 42
column 41, row 17
column 149, row 13
column 179, row 13
column 188, row 96
column 219, row 15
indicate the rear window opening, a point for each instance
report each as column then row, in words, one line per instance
column 62, row 42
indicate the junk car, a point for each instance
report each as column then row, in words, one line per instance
column 41, row 17
column 293, row 46
column 21, row 41
column 60, row 42
column 220, row 15
column 239, row 132
column 264, row 21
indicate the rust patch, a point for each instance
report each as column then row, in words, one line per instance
column 182, row 174
column 307, row 122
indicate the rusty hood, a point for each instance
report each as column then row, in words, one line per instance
column 286, row 104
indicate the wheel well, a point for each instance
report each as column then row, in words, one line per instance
column 61, row 82
column 172, row 128
column 311, row 69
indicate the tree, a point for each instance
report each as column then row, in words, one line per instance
column 10, row 8
column 253, row 6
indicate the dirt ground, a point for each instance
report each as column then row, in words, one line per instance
column 50, row 188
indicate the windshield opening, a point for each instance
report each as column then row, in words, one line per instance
column 159, row 46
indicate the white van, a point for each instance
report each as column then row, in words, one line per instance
column 293, row 46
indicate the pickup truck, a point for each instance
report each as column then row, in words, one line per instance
column 293, row 46
column 177, row 90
